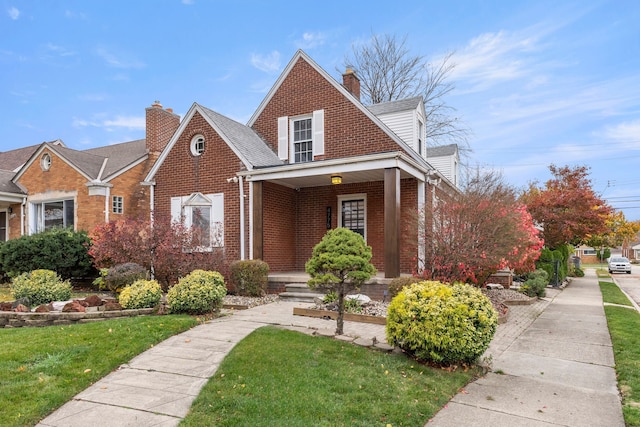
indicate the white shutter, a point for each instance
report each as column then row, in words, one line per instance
column 318, row 132
column 176, row 209
column 217, row 218
column 283, row 138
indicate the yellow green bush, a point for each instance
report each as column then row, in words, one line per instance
column 441, row 323
column 141, row 294
column 40, row 287
column 199, row 292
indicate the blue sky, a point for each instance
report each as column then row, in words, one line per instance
column 537, row 82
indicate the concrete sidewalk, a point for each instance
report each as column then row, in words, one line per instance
column 558, row 371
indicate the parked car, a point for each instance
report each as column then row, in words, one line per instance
column 619, row 264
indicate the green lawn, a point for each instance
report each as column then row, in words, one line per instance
column 612, row 294
column 42, row 368
column 624, row 325
column 279, row 377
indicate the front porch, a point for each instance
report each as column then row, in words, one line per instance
column 375, row 288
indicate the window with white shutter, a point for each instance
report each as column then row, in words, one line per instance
column 204, row 214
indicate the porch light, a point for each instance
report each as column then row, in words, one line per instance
column 336, row 179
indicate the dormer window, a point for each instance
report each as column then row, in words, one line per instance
column 197, row 145
column 45, row 162
column 420, row 133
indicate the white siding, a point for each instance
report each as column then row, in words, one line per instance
column 446, row 165
column 402, row 124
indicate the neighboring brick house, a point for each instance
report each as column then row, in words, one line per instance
column 51, row 185
column 311, row 158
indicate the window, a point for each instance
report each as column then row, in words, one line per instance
column 52, row 214
column 302, row 141
column 301, row 138
column 420, row 130
column 3, row 226
column 589, row 251
column 353, row 213
column 197, row 145
column 117, row 203
column 204, row 214
column 45, row 162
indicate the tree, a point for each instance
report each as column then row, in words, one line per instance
column 164, row 249
column 340, row 262
column 469, row 237
column 619, row 232
column 566, row 207
column 388, row 72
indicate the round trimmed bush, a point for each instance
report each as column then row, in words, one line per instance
column 199, row 292
column 441, row 323
column 40, row 287
column 141, row 294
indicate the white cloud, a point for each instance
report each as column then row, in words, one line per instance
column 311, row 40
column 127, row 122
column 119, row 60
column 627, row 133
column 13, row 13
column 268, row 63
column 59, row 50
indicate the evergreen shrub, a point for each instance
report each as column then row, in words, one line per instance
column 141, row 294
column 40, row 287
column 440, row 323
column 199, row 292
column 249, row 277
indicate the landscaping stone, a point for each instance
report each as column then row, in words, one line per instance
column 6, row 306
column 44, row 308
column 93, row 301
column 73, row 307
column 21, row 308
column 361, row 298
column 112, row 306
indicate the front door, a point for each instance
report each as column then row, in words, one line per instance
column 3, row 226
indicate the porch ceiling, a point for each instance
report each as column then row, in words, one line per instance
column 325, row 178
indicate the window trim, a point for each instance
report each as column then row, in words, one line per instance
column 184, row 214
column 197, row 145
column 292, row 124
column 38, row 214
column 45, row 162
column 353, row 197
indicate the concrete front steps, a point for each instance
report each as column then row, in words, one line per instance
column 299, row 292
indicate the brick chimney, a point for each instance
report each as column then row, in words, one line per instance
column 161, row 125
column 351, row 82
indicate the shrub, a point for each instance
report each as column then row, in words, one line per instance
column 141, row 294
column 536, row 283
column 399, row 283
column 441, row 323
column 198, row 293
column 61, row 250
column 249, row 277
column 40, row 287
column 122, row 275
column 576, row 272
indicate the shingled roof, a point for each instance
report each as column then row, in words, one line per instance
column 395, row 106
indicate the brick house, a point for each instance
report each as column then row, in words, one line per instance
column 311, row 158
column 50, row 185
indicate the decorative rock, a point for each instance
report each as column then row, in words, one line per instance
column 361, row 298
column 23, row 301
column 494, row 286
column 73, row 307
column 21, row 308
column 112, row 306
column 59, row 305
column 43, row 308
column 93, row 301
column 6, row 306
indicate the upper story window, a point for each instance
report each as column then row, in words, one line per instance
column 197, row 145
column 117, row 204
column 301, row 138
column 420, row 136
column 45, row 162
column 302, row 141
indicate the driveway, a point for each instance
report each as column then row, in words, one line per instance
column 630, row 283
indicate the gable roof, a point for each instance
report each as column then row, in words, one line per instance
column 395, row 106
column 95, row 164
column 120, row 156
column 14, row 159
column 442, row 150
column 243, row 141
column 302, row 55
column 6, row 183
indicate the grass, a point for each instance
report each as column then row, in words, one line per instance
column 612, row 294
column 624, row 325
column 280, row 377
column 42, row 368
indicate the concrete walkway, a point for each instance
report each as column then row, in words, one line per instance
column 157, row 387
column 558, row 372
column 552, row 365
